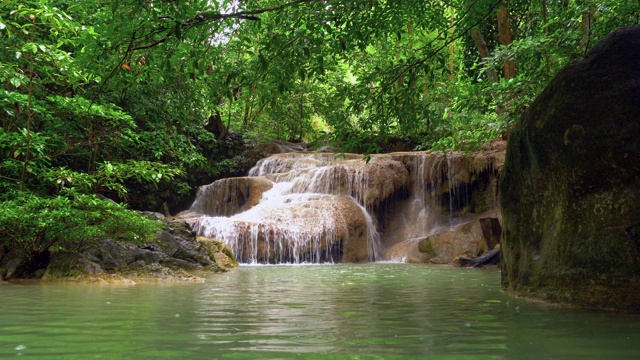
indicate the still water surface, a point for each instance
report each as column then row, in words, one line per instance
column 346, row 311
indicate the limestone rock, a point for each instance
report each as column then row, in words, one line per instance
column 570, row 188
column 219, row 252
column 447, row 246
column 301, row 228
column 371, row 183
column 230, row 196
column 460, row 183
column 385, row 201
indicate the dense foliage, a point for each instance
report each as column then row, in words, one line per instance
column 140, row 101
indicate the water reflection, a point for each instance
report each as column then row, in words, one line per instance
column 331, row 311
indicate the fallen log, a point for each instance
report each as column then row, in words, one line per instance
column 491, row 257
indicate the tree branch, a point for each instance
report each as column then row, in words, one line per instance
column 205, row 18
column 443, row 46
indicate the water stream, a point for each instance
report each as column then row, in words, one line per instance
column 342, row 311
column 318, row 207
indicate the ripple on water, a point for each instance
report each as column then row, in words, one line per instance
column 320, row 312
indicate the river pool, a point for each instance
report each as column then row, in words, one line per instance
column 344, row 311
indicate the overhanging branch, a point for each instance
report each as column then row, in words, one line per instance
column 205, row 18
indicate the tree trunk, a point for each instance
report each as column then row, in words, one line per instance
column 505, row 37
column 216, row 126
column 585, row 24
column 452, row 49
column 545, row 22
column 481, row 45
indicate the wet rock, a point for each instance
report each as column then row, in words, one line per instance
column 227, row 197
column 447, row 246
column 371, row 183
column 280, row 146
column 300, row 228
column 220, row 252
column 71, row 266
column 570, row 188
column 461, row 184
column 403, row 196
column 491, row 231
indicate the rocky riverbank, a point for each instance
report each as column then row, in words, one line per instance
column 176, row 255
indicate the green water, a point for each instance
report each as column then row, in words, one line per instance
column 369, row 311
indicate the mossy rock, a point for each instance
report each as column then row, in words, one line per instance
column 570, row 187
column 216, row 248
column 426, row 247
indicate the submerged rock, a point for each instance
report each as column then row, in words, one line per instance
column 570, row 189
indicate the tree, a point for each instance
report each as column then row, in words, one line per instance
column 141, row 101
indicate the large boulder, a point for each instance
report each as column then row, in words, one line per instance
column 570, row 189
column 442, row 247
column 301, row 228
column 227, row 197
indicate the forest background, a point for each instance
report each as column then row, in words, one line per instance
column 109, row 106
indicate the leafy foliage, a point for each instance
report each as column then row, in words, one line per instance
column 31, row 224
column 141, row 101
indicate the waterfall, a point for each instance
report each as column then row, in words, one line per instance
column 319, row 207
column 313, row 210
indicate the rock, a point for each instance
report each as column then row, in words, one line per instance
column 491, row 231
column 371, row 183
column 170, row 257
column 447, row 246
column 64, row 266
column 461, row 183
column 219, row 252
column 570, row 188
column 9, row 265
column 403, row 195
column 227, row 197
column 301, row 228
column 280, row 146
column 152, row 215
column 112, row 255
column 178, row 243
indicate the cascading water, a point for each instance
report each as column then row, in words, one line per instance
column 316, row 207
column 308, row 214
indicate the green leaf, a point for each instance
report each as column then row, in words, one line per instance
column 15, row 82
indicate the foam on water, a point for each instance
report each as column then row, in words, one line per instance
column 298, row 220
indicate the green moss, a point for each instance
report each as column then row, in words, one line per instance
column 215, row 246
column 426, row 247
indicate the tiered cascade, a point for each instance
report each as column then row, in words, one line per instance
column 322, row 207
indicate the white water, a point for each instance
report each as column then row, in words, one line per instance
column 299, row 220
column 320, row 209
